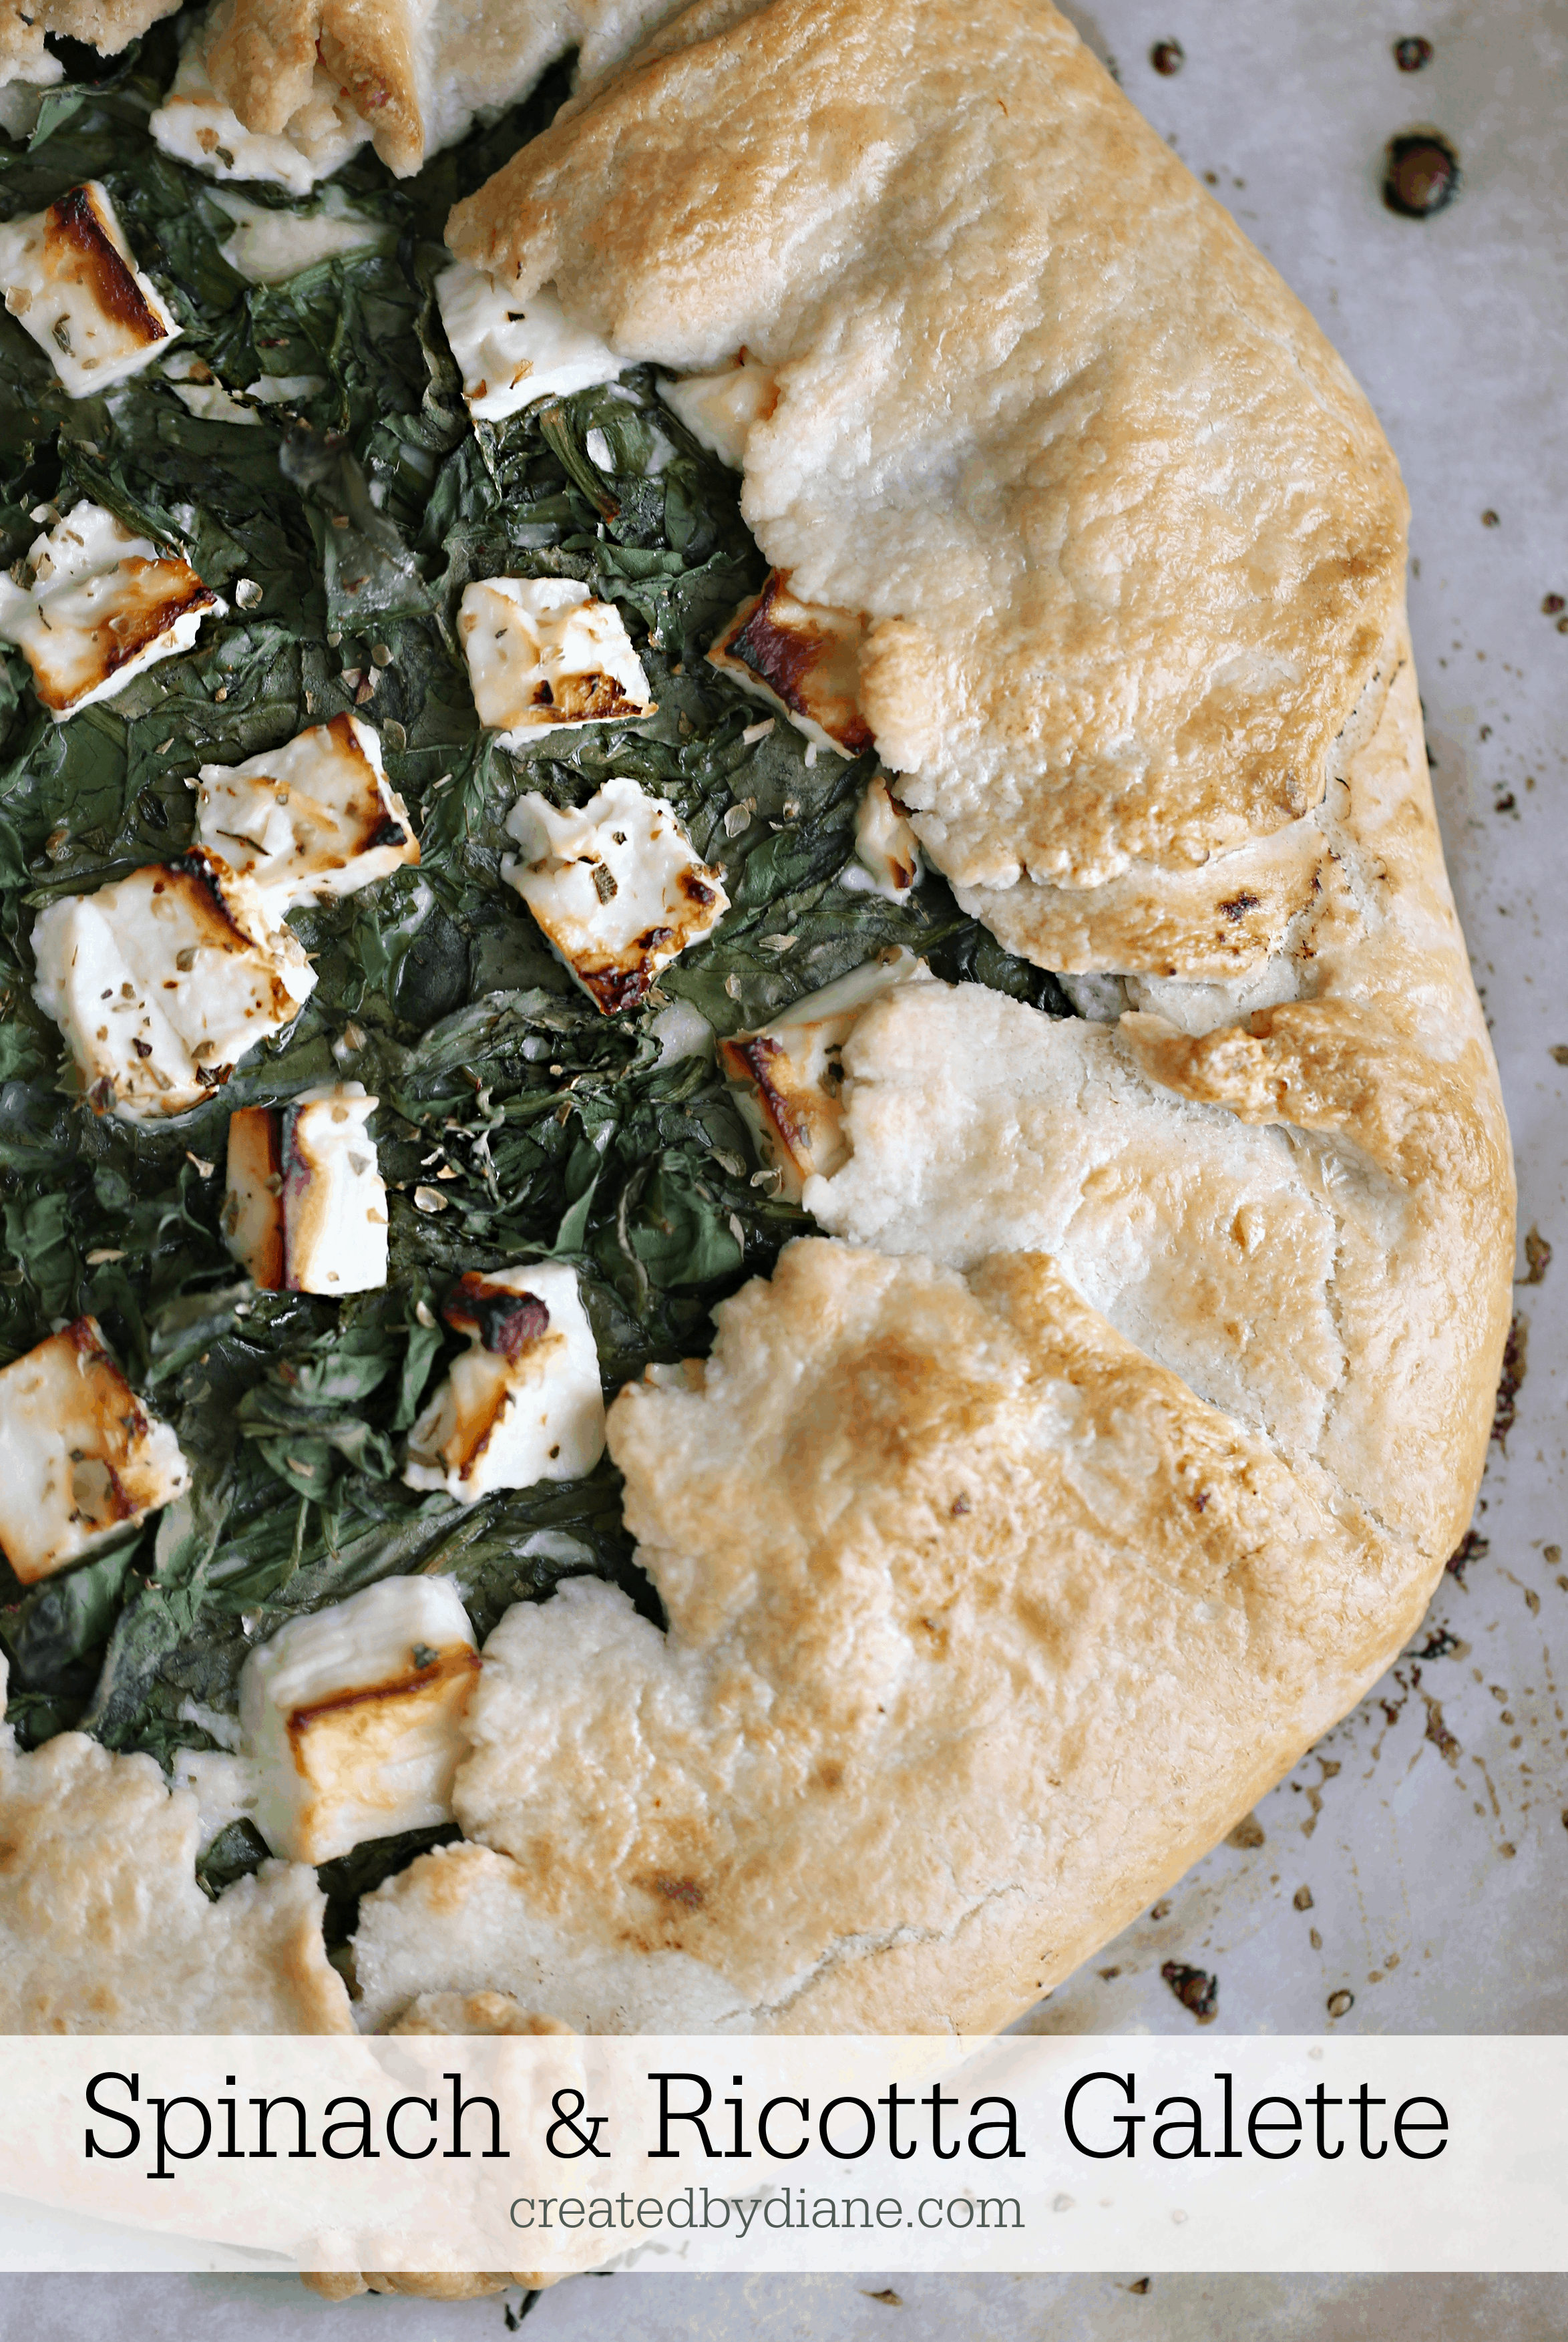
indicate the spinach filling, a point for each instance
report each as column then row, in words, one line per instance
column 341, row 525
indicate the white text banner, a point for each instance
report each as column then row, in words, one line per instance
column 535, row 2157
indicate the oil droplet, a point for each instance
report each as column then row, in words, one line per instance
column 1421, row 175
column 1411, row 54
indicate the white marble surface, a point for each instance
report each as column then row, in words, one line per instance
column 1432, row 1840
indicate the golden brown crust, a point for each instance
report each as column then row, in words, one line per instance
column 1136, row 407
column 342, row 2284
column 1324, row 1247
column 23, row 56
column 261, row 56
column 1390, row 1065
column 104, row 1929
column 1424, row 1299
column 1392, row 1104
column 475, row 2013
column 106, row 24
column 981, row 1627
column 369, row 47
column 416, row 74
column 1218, row 922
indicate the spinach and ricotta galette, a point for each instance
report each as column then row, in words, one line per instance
column 756, row 1222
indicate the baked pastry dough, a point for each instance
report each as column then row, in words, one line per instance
column 1010, row 428
column 1014, row 1542
column 411, row 75
column 26, row 66
column 981, row 1627
column 104, row 1929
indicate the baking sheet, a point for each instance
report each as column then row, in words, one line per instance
column 1429, row 1829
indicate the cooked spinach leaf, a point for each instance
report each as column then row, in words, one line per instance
column 342, row 520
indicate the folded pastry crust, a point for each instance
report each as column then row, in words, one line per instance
column 1031, row 385
column 416, row 72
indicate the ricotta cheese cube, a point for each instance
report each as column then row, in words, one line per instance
column 787, row 1077
column 511, row 352
column 28, row 70
column 719, row 409
column 253, row 1215
column 163, row 981
column 104, row 605
column 71, row 282
column 285, row 389
column 681, row 1031
column 802, row 659
column 195, row 126
column 352, row 1718
column 200, row 394
column 304, row 1204
column 544, row 653
column 524, row 1402
column 22, row 100
column 80, row 1457
column 224, row 1786
column 269, row 247
column 309, row 821
column 615, row 888
column 887, row 853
